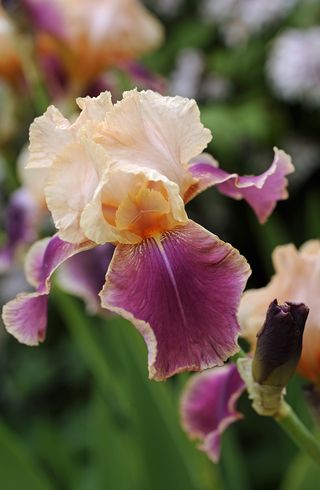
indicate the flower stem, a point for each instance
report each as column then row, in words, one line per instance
column 293, row 426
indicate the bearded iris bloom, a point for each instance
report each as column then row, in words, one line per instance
column 121, row 174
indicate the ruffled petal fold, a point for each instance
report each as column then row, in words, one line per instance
column 208, row 406
column 83, row 275
column 260, row 191
column 162, row 133
column 181, row 290
column 25, row 317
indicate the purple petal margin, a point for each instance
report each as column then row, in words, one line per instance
column 208, row 406
column 260, row 191
column 83, row 275
column 25, row 317
column 22, row 215
column 181, row 291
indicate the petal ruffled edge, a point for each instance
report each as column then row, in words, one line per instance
column 25, row 317
column 260, row 191
column 208, row 406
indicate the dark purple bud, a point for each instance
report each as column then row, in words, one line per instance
column 279, row 343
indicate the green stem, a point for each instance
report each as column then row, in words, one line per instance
column 293, row 426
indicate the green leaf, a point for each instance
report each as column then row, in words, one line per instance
column 18, row 468
column 303, row 474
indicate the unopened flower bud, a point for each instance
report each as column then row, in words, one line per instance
column 279, row 344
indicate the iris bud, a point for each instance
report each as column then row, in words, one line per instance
column 279, row 344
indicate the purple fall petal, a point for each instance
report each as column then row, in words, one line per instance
column 22, row 215
column 182, row 292
column 260, row 191
column 83, row 275
column 208, row 406
column 25, row 317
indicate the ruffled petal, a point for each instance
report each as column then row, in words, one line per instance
column 261, row 191
column 181, row 291
column 51, row 133
column 25, row 317
column 208, row 406
column 163, row 133
column 21, row 225
column 48, row 134
column 83, row 275
column 70, row 185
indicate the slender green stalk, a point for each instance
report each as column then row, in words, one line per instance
column 293, row 426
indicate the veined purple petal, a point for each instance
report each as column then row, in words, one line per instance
column 260, row 191
column 25, row 317
column 181, row 291
column 22, row 215
column 83, row 275
column 208, row 406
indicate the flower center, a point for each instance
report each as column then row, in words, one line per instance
column 145, row 211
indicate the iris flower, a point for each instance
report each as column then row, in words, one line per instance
column 121, row 174
column 77, row 40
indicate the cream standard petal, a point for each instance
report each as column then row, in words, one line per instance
column 163, row 133
column 71, row 183
column 52, row 132
column 49, row 133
